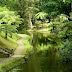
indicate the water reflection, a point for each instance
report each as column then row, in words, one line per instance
column 45, row 57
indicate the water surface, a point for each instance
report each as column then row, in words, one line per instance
column 45, row 57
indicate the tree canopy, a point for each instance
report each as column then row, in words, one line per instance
column 9, row 21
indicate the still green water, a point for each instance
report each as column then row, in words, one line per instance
column 45, row 56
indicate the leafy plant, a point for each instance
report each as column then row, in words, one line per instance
column 9, row 22
column 41, row 15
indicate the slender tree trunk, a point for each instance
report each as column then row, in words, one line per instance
column 30, row 22
column 70, row 7
column 31, row 13
column 6, row 34
column 11, row 35
column 49, row 20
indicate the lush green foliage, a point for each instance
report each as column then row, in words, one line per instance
column 10, row 42
column 65, row 36
column 9, row 65
column 63, row 29
column 49, row 9
column 19, row 14
column 9, row 21
column 28, row 46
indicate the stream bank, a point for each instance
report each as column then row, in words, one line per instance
column 8, row 63
column 45, row 56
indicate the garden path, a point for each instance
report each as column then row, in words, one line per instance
column 17, row 52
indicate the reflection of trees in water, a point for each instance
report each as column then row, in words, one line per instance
column 46, row 61
column 49, row 65
column 42, row 63
column 39, row 39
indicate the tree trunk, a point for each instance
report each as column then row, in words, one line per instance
column 70, row 7
column 30, row 16
column 31, row 13
column 11, row 35
column 30, row 22
column 49, row 20
column 6, row 33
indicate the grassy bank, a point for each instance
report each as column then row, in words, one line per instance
column 11, row 64
column 15, row 62
column 9, row 42
column 27, row 45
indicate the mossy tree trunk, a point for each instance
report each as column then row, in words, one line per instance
column 6, row 33
column 11, row 35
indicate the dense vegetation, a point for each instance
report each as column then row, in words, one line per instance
column 51, row 16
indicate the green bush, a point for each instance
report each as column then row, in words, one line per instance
column 63, row 30
column 66, row 51
column 65, row 36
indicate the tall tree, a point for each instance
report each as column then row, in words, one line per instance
column 31, row 11
column 9, row 21
column 55, row 7
column 25, row 8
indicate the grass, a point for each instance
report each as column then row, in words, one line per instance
column 28, row 46
column 15, row 62
column 9, row 42
column 11, row 64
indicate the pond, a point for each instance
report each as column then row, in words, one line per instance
column 45, row 56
